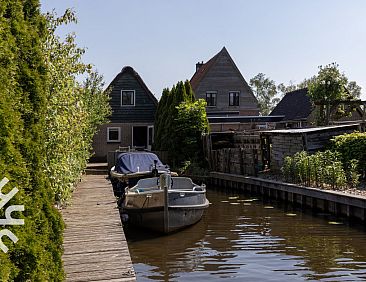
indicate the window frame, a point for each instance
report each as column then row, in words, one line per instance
column 133, row 99
column 211, row 93
column 119, row 134
column 234, row 100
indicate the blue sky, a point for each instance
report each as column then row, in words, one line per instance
column 164, row 39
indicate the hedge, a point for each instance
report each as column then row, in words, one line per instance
column 47, row 120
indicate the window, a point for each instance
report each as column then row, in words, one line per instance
column 234, row 98
column 113, row 134
column 211, row 98
column 127, row 97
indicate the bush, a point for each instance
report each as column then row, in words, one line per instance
column 322, row 169
column 351, row 147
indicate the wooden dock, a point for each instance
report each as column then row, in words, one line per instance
column 334, row 202
column 95, row 247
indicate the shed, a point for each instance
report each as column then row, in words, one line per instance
column 277, row 144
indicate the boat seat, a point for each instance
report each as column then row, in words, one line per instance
column 148, row 183
column 182, row 183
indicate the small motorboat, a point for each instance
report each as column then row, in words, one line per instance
column 165, row 204
column 132, row 166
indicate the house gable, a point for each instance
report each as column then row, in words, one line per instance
column 220, row 75
column 144, row 103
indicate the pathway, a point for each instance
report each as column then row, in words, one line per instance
column 94, row 242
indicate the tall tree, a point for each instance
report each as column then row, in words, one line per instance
column 179, row 122
column 160, row 116
column 265, row 91
column 329, row 87
column 190, row 123
column 189, row 91
column 73, row 109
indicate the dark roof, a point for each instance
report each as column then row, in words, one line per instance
column 204, row 69
column 201, row 72
column 131, row 71
column 295, row 105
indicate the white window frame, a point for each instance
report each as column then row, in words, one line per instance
column 211, row 92
column 235, row 91
column 134, row 97
column 119, row 134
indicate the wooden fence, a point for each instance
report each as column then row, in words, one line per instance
column 242, row 161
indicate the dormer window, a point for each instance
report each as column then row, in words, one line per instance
column 234, row 98
column 127, row 97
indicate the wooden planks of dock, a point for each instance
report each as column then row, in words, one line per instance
column 95, row 247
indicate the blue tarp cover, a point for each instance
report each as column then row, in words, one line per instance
column 137, row 162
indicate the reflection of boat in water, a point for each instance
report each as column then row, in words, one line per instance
column 162, row 257
column 165, row 204
column 132, row 166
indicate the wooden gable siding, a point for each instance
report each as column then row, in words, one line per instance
column 224, row 77
column 144, row 108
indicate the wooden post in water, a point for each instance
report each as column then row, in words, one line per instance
column 165, row 182
column 166, row 211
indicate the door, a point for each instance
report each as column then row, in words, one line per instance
column 139, row 137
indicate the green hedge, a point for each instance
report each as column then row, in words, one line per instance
column 351, row 147
column 47, row 120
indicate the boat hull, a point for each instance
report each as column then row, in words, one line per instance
column 178, row 217
column 165, row 210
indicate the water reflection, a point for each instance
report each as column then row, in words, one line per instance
column 241, row 238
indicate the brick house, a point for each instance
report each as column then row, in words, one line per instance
column 132, row 120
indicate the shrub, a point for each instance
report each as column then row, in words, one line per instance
column 322, row 168
column 351, row 147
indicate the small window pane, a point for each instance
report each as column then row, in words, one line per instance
column 128, row 97
column 211, row 99
column 113, row 134
column 234, row 98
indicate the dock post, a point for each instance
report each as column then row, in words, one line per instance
column 165, row 182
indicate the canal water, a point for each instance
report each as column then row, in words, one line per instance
column 243, row 238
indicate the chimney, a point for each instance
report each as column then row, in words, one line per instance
column 199, row 65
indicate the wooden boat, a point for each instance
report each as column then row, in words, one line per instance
column 132, row 166
column 165, row 204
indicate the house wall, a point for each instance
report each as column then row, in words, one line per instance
column 224, row 77
column 100, row 145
